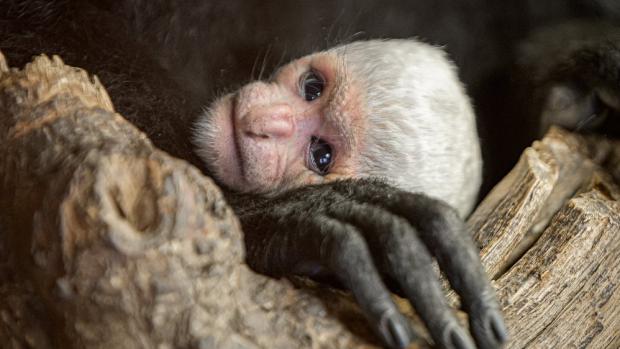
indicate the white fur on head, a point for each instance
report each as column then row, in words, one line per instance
column 421, row 135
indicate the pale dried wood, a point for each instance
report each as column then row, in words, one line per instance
column 558, row 274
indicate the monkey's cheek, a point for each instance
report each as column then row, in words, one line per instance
column 230, row 179
column 226, row 168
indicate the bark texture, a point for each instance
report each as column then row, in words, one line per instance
column 106, row 241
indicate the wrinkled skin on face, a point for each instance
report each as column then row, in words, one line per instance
column 261, row 138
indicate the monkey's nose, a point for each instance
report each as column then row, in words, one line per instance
column 271, row 121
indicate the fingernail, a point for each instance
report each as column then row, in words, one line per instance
column 459, row 340
column 399, row 331
column 496, row 326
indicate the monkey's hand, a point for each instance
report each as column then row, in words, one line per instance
column 364, row 232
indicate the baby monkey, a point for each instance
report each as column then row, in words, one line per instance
column 357, row 149
column 392, row 109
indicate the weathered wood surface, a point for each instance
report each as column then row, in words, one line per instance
column 550, row 235
column 108, row 242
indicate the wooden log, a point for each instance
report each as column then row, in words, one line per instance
column 106, row 241
column 556, row 221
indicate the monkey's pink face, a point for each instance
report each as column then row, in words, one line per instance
column 295, row 129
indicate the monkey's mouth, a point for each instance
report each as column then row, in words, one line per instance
column 228, row 164
column 238, row 173
column 251, row 156
column 244, row 172
column 238, row 154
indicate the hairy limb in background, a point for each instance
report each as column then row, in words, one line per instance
column 576, row 76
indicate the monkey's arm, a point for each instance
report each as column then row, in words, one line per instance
column 362, row 231
column 572, row 76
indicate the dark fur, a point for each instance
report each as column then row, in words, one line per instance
column 364, row 232
column 98, row 41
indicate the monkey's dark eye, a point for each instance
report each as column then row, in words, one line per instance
column 311, row 85
column 319, row 156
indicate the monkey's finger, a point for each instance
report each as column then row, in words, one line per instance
column 444, row 234
column 458, row 257
column 404, row 257
column 346, row 254
column 319, row 242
